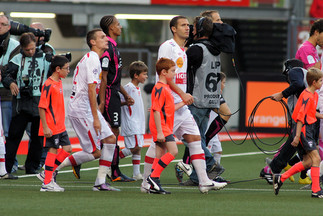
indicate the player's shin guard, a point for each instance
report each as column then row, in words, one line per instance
column 60, row 158
column 217, row 157
column 214, row 128
column 115, row 162
column 76, row 159
column 293, row 170
column 315, row 172
column 124, row 153
column 136, row 164
column 149, row 159
column 2, row 165
column 49, row 167
column 186, row 156
column 105, row 162
column 198, row 161
column 161, row 164
column 3, row 170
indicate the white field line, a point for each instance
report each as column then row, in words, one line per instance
column 228, row 188
column 128, row 165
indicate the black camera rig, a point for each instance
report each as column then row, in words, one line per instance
column 18, row 29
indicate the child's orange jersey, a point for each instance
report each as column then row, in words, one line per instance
column 162, row 101
column 52, row 100
column 305, row 108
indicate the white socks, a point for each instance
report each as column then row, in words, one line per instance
column 149, row 159
column 217, row 157
column 107, row 152
column 3, row 170
column 124, row 153
column 76, row 159
column 136, row 164
column 198, row 161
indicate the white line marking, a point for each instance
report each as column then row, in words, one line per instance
column 168, row 187
column 128, row 165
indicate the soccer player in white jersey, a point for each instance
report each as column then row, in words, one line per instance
column 88, row 123
column 133, row 117
column 184, row 125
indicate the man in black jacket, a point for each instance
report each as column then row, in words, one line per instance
column 9, row 47
column 295, row 75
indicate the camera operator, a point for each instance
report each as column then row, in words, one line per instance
column 203, row 82
column 41, row 44
column 24, row 76
column 8, row 48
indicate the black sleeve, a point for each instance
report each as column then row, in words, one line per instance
column 194, row 56
column 9, row 75
column 296, row 79
column 194, row 61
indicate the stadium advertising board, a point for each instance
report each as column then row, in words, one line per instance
column 231, row 3
column 270, row 115
column 140, row 2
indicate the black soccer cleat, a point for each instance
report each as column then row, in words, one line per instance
column 76, row 171
column 268, row 177
column 277, row 183
column 121, row 178
column 318, row 194
column 155, row 186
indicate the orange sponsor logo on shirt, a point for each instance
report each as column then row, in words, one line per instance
column 180, row 62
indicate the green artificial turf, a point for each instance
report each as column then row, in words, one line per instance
column 246, row 195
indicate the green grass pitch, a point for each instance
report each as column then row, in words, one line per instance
column 256, row 197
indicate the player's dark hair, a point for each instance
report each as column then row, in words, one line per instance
column 313, row 74
column 317, row 26
column 137, row 67
column 174, row 22
column 58, row 61
column 91, row 36
column 105, row 23
column 26, row 39
column 164, row 63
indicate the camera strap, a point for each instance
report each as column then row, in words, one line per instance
column 42, row 76
column 23, row 59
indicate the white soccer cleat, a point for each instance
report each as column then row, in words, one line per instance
column 41, row 176
column 145, row 186
column 212, row 186
column 186, row 168
column 138, row 177
column 51, row 187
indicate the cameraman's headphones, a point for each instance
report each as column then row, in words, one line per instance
column 199, row 27
column 291, row 63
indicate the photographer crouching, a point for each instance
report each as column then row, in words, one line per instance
column 24, row 76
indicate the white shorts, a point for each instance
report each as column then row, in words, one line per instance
column 133, row 141
column 184, row 123
column 84, row 130
column 215, row 145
